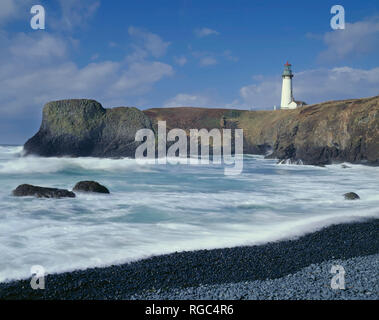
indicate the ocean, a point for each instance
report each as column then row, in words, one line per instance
column 158, row 209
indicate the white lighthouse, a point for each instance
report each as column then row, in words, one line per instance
column 288, row 102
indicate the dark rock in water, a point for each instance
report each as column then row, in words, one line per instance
column 25, row 190
column 90, row 186
column 344, row 166
column 351, row 196
column 83, row 128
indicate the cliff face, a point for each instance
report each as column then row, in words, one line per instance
column 318, row 134
column 84, row 128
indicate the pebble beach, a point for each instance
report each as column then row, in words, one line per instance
column 291, row 269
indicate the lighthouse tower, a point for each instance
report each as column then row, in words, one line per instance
column 288, row 101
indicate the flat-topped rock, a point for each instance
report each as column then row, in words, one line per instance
column 26, row 190
column 83, row 128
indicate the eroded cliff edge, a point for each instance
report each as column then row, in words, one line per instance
column 318, row 134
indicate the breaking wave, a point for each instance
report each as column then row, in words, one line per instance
column 156, row 209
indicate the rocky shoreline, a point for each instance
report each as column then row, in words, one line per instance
column 218, row 267
column 334, row 131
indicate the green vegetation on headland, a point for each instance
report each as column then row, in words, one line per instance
column 346, row 130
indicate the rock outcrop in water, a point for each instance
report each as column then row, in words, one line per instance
column 83, row 128
column 351, row 196
column 90, row 186
column 316, row 134
column 26, row 190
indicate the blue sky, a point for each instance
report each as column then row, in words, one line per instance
column 180, row 53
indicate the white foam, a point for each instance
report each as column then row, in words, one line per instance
column 32, row 164
column 11, row 149
column 162, row 209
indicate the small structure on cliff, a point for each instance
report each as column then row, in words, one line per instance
column 288, row 101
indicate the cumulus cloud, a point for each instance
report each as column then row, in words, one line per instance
column 149, row 41
column 263, row 95
column 35, row 68
column 105, row 81
column 313, row 86
column 357, row 38
column 41, row 46
column 336, row 83
column 139, row 77
column 204, row 32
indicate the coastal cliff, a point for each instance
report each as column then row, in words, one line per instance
column 83, row 128
column 318, row 134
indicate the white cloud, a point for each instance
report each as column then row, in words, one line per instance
column 149, row 41
column 336, row 83
column 7, row 9
column 105, row 81
column 208, row 61
column 188, row 100
column 207, row 58
column 35, row 68
column 140, row 76
column 357, row 38
column 10, row 9
column 261, row 96
column 313, row 86
column 41, row 46
column 180, row 60
column 204, row 32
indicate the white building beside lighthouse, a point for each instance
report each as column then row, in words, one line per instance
column 287, row 102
